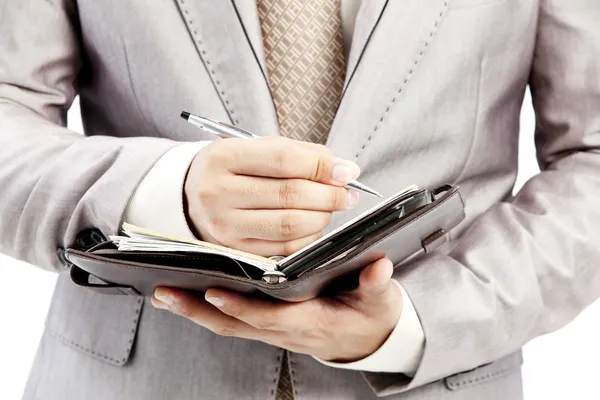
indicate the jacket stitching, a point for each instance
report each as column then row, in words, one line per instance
column 207, row 63
column 277, row 374
column 100, row 355
column 80, row 347
column 406, row 79
column 293, row 377
column 483, row 378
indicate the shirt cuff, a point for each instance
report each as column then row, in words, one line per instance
column 157, row 202
column 401, row 352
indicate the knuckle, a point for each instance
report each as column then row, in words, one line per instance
column 338, row 199
column 279, row 160
column 320, row 170
column 289, row 225
column 207, row 193
column 249, row 191
column 288, row 193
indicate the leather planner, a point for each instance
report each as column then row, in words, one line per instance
column 412, row 222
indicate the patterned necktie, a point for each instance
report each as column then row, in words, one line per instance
column 304, row 51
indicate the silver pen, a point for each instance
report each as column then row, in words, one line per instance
column 224, row 130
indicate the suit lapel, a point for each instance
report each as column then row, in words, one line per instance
column 391, row 39
column 246, row 12
column 227, row 37
column 366, row 21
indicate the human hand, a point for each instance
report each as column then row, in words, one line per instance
column 343, row 328
column 271, row 196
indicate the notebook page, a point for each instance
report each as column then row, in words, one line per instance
column 142, row 239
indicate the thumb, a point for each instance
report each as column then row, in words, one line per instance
column 375, row 283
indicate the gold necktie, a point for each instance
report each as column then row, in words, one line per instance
column 304, row 51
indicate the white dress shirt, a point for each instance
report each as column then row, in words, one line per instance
column 157, row 204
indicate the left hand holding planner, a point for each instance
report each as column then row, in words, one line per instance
column 344, row 328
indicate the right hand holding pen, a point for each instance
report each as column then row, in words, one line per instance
column 271, row 196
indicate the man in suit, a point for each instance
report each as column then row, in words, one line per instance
column 426, row 92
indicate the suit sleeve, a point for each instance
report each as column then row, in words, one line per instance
column 528, row 266
column 54, row 182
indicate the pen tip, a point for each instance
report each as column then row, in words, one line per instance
column 185, row 115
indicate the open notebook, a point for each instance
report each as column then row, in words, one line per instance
column 140, row 239
column 409, row 223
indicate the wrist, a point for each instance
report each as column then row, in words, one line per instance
column 186, row 202
column 388, row 322
column 401, row 352
column 194, row 190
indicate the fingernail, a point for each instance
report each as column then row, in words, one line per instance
column 341, row 174
column 216, row 301
column 164, row 297
column 159, row 304
column 353, row 197
column 344, row 171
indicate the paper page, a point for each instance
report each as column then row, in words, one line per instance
column 142, row 239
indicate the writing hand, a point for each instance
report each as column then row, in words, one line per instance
column 271, row 196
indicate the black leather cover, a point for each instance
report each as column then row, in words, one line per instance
column 105, row 269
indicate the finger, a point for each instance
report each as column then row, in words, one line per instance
column 277, row 225
column 261, row 314
column 270, row 193
column 286, row 158
column 269, row 248
column 319, row 148
column 202, row 313
column 375, row 283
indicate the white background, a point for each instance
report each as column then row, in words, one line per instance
column 562, row 365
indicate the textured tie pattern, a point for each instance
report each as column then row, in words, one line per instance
column 304, row 51
column 285, row 390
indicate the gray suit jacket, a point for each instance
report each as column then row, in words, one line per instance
column 433, row 93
